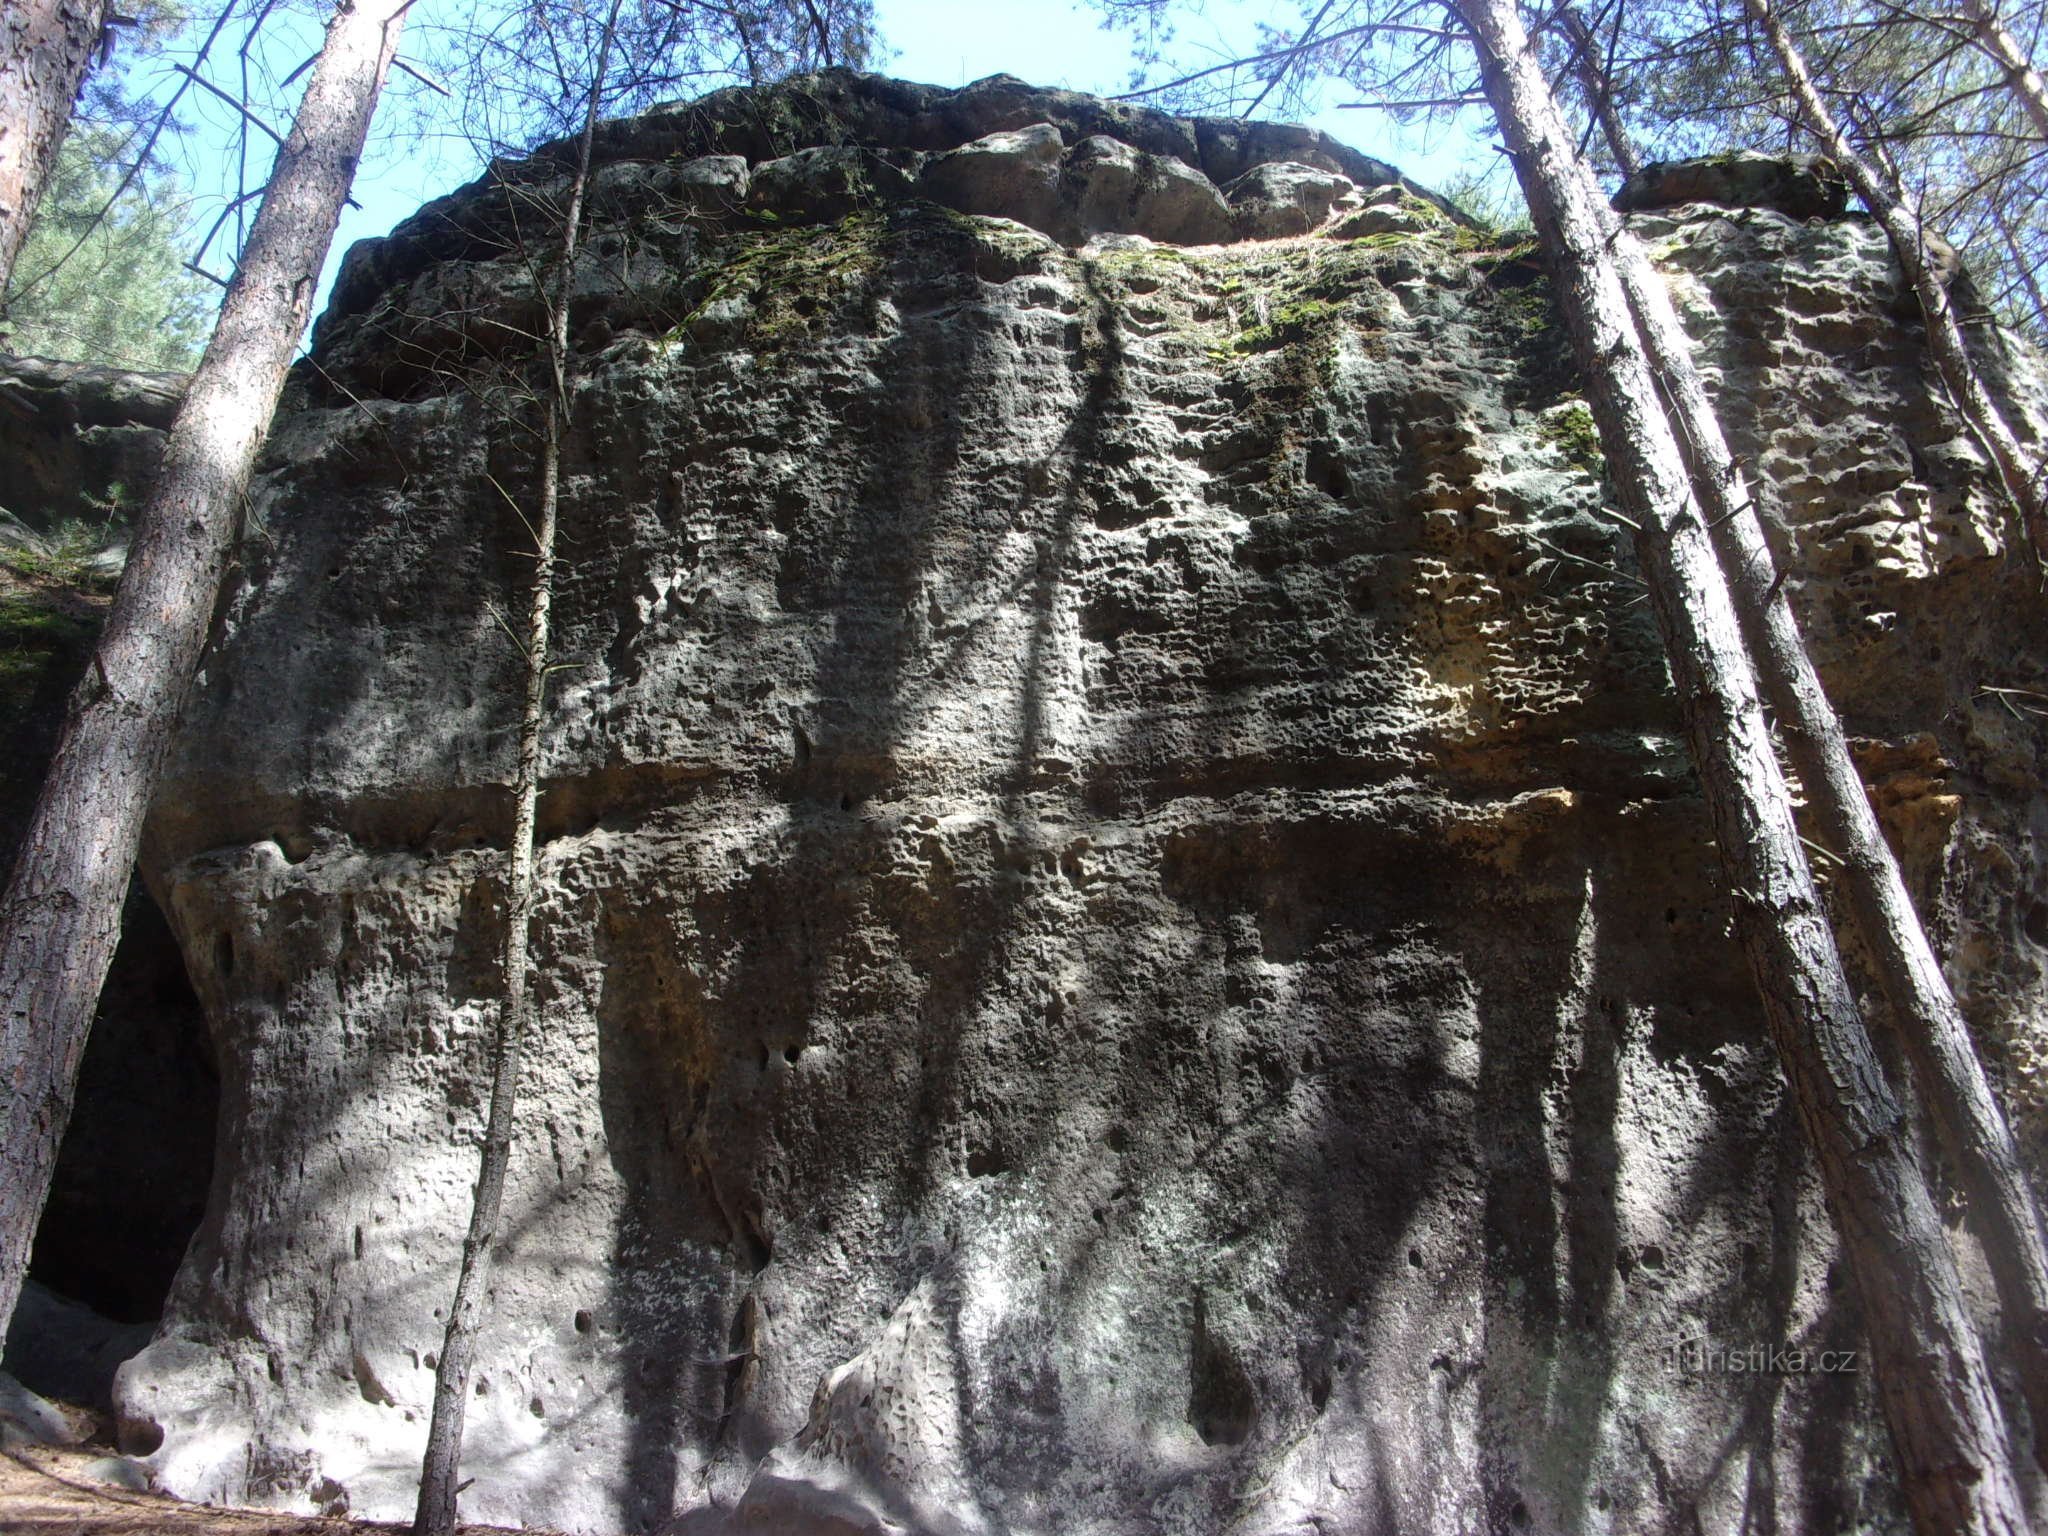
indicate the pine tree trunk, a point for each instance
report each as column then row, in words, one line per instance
column 46, row 47
column 61, row 913
column 1970, row 1125
column 435, row 1514
column 1946, row 1428
column 1994, row 38
column 1595, row 82
column 2018, row 470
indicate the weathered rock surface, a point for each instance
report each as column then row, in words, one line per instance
column 26, row 1418
column 62, row 1349
column 836, row 140
column 1127, row 941
column 1800, row 187
column 1284, row 198
column 79, row 441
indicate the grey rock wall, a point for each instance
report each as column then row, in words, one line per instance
column 78, row 441
column 1127, row 943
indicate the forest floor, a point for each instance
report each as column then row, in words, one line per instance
column 46, row 1491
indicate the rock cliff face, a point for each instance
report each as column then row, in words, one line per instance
column 1127, row 941
column 79, row 442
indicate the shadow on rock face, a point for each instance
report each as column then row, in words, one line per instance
column 1127, row 939
column 62, row 1349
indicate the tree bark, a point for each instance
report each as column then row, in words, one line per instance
column 46, row 48
column 1594, row 81
column 435, row 1513
column 61, row 913
column 1994, row 38
column 1971, row 1127
column 2019, row 471
column 1946, row 1428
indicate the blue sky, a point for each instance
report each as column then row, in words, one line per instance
column 1047, row 42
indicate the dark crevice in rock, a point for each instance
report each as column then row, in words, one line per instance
column 137, row 1160
column 1222, row 1402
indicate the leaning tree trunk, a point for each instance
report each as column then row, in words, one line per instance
column 61, row 913
column 46, row 47
column 1595, row 80
column 1946, row 1428
column 1996, row 40
column 2019, row 471
column 1971, row 1127
column 439, row 1491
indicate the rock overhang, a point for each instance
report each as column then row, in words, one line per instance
column 820, row 146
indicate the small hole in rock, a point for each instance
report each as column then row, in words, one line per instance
column 139, row 1437
column 582, row 1321
column 1650, row 1256
column 2035, row 922
column 846, row 802
column 1415, row 1258
column 790, row 1053
column 1518, row 1516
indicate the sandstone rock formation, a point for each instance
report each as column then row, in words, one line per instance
column 1127, row 942
column 1802, row 187
column 79, row 441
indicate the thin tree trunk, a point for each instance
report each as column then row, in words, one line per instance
column 2004, row 48
column 435, row 1514
column 61, row 912
column 2024, row 268
column 1947, row 1431
column 2018, row 470
column 46, row 48
column 439, row 1490
column 1594, row 81
column 1968, row 1121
